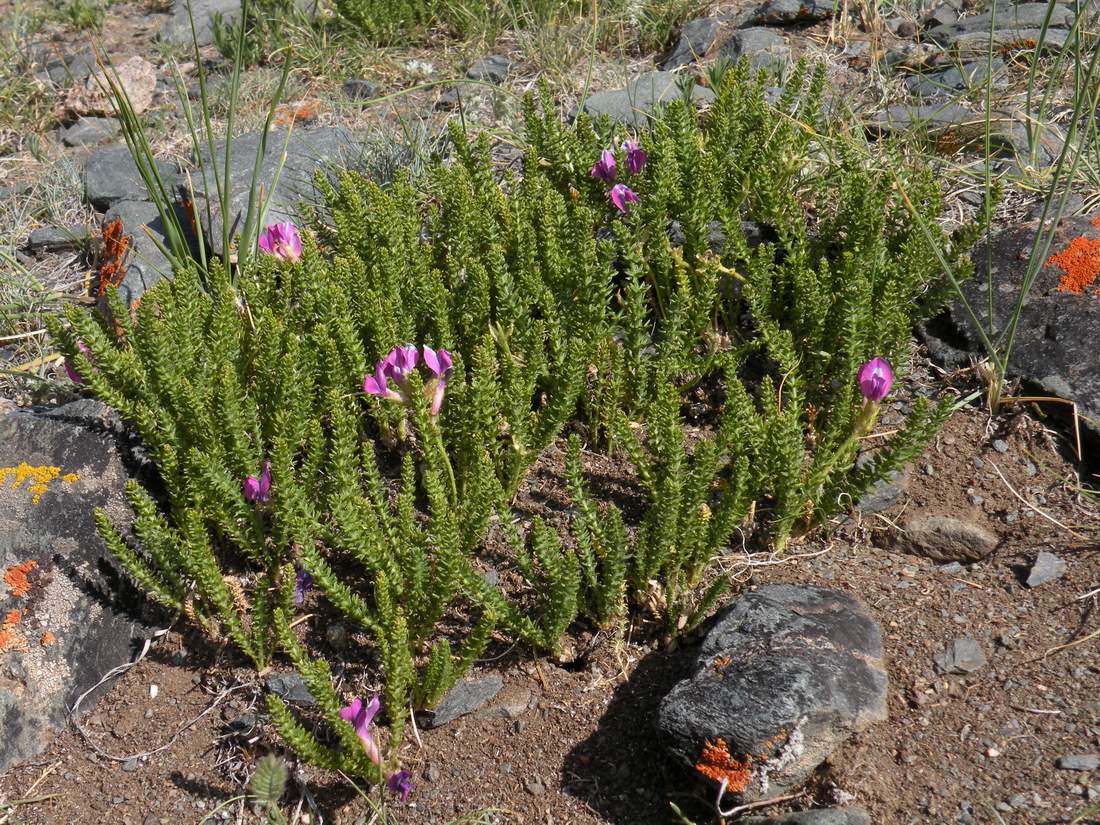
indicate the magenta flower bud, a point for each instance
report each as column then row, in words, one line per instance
column 258, row 490
column 400, row 783
column 439, row 363
column 359, row 716
column 635, row 156
column 875, row 379
column 70, row 370
column 399, row 362
column 604, row 168
column 282, row 240
column 622, row 196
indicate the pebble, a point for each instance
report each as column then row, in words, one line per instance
column 961, row 656
column 534, row 787
column 1079, row 762
column 1000, row 445
column 130, row 765
column 1047, row 568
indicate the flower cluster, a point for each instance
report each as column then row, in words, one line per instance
column 606, row 169
column 397, row 365
column 258, row 490
column 875, row 380
column 282, row 240
column 70, row 370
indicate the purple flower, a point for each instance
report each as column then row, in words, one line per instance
column 282, row 240
column 604, row 168
column 399, row 783
column 635, row 156
column 360, row 716
column 398, row 363
column 439, row 363
column 303, row 583
column 378, row 384
column 875, row 379
column 258, row 490
column 622, row 195
column 70, row 370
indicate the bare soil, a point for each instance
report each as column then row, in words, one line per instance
column 572, row 741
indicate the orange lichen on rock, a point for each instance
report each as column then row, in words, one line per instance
column 15, row 577
column 719, row 764
column 47, row 639
column 9, row 637
column 39, row 478
column 1080, row 261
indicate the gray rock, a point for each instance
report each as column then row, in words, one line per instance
column 819, row 816
column 950, row 81
column 642, row 96
column 73, row 68
column 491, row 69
column 764, row 48
column 69, row 630
column 49, row 239
column 696, row 39
column 177, row 29
column 88, row 131
column 946, row 538
column 784, row 674
column 1055, row 346
column 961, row 656
column 1008, row 18
column 360, row 89
column 309, row 150
column 511, row 703
column 787, row 12
column 1079, row 762
column 1040, row 150
column 1047, row 568
column 885, row 492
column 931, row 118
column 465, row 697
column 976, row 42
column 902, row 26
column 110, row 175
column 290, row 688
column 945, row 14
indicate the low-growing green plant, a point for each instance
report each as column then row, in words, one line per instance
column 356, row 408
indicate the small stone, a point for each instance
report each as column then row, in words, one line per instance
column 358, row 88
column 904, row 28
column 491, row 69
column 785, row 12
column 1012, row 517
column 290, row 688
column 975, row 499
column 961, row 656
column 696, row 39
column 946, row 538
column 466, row 697
column 1000, row 445
column 632, row 105
column 764, row 48
column 130, row 765
column 1047, row 568
column 49, row 239
column 929, row 470
column 88, row 131
column 1079, row 762
column 534, row 787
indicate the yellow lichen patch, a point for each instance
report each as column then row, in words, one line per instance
column 39, row 478
column 15, row 577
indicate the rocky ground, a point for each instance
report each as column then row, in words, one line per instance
column 971, row 693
